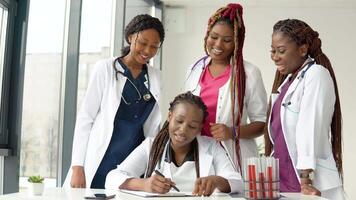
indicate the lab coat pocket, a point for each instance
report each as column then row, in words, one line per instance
column 326, row 174
column 291, row 111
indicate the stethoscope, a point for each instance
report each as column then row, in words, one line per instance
column 300, row 77
column 201, row 74
column 145, row 97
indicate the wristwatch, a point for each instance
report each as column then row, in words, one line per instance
column 309, row 175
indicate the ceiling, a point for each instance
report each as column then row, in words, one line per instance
column 184, row 3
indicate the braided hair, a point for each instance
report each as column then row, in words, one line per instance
column 139, row 23
column 232, row 16
column 162, row 138
column 301, row 33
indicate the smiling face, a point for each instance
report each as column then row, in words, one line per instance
column 185, row 123
column 286, row 54
column 144, row 45
column 220, row 42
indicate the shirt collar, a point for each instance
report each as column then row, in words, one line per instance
column 169, row 157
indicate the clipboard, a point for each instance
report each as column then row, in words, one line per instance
column 148, row 194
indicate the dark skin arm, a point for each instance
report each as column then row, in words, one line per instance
column 222, row 132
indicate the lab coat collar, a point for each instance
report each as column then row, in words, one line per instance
column 168, row 157
column 119, row 67
column 205, row 158
column 294, row 84
column 154, row 82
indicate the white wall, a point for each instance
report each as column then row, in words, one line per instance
column 334, row 20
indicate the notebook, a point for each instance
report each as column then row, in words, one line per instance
column 148, row 194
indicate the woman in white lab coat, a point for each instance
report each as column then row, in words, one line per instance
column 232, row 88
column 188, row 161
column 121, row 106
column 305, row 122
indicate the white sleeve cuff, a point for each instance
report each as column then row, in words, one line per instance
column 115, row 179
column 236, row 185
column 306, row 162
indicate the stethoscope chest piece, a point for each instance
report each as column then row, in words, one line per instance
column 147, row 97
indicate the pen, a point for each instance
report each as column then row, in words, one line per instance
column 160, row 174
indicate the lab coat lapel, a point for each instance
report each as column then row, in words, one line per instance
column 165, row 167
column 195, row 74
column 296, row 81
column 205, row 157
column 119, row 83
column 154, row 84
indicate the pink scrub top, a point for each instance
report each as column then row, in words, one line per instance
column 209, row 93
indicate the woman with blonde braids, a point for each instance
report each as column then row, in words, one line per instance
column 305, row 122
column 231, row 88
column 188, row 161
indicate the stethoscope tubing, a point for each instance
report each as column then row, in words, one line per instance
column 192, row 69
column 146, row 96
column 302, row 75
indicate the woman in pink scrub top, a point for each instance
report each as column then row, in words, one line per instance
column 231, row 88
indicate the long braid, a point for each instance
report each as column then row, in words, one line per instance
column 336, row 124
column 278, row 80
column 157, row 148
column 162, row 138
column 301, row 33
column 232, row 15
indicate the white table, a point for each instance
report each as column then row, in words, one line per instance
column 78, row 194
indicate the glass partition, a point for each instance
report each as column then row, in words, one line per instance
column 41, row 97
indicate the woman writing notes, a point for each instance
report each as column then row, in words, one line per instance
column 120, row 108
column 187, row 161
column 305, row 121
column 231, row 88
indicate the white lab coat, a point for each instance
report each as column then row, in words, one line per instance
column 255, row 104
column 212, row 161
column 306, row 127
column 95, row 121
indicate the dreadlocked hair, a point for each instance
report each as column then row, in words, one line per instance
column 301, row 33
column 232, row 16
column 141, row 23
column 162, row 138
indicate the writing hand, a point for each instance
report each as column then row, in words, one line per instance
column 173, row 186
column 158, row 184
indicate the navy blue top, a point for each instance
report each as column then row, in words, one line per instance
column 128, row 124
